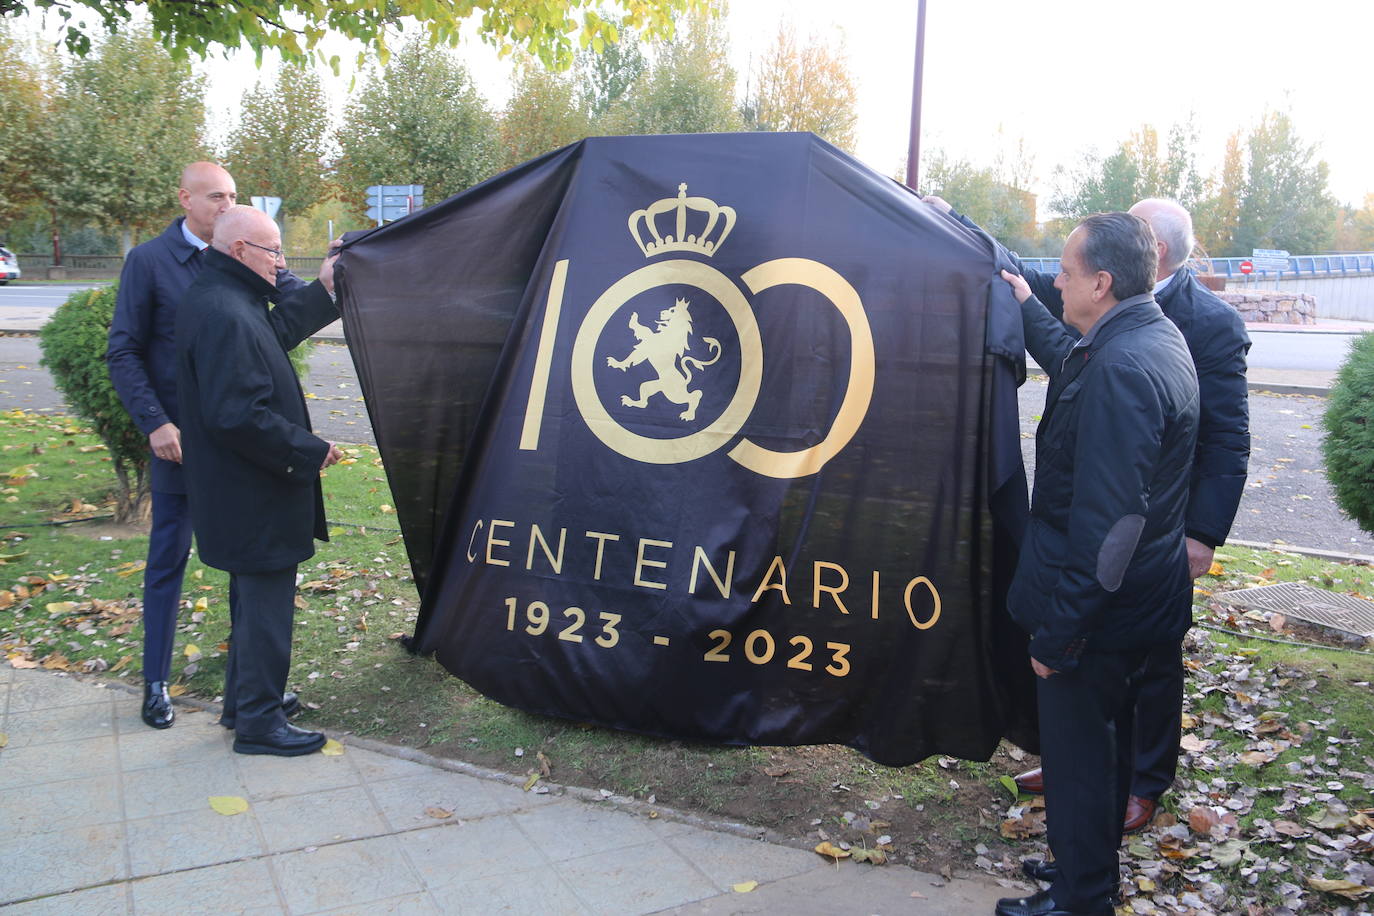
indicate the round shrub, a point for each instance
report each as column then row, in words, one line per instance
column 73, row 343
column 1349, row 443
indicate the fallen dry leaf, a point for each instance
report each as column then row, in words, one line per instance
column 332, row 748
column 531, row 781
column 1193, row 743
column 545, row 767
column 872, row 856
column 1202, row 819
column 19, row 661
column 176, row 690
column 1277, row 622
column 744, row 887
column 57, row 662
column 435, row 811
column 228, row 805
column 1289, row 828
column 830, row 849
column 4, row 739
column 776, row 772
column 1350, row 889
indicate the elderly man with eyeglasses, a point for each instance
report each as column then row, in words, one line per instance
column 252, row 463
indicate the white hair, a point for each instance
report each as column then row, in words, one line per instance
column 1173, row 226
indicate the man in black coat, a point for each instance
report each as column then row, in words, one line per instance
column 1102, row 577
column 142, row 361
column 1218, row 345
column 252, row 465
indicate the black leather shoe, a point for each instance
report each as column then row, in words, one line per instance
column 1042, row 904
column 287, row 741
column 157, row 705
column 1040, row 870
column 290, row 705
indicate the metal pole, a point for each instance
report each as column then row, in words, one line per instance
column 913, row 150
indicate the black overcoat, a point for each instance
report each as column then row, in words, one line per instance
column 251, row 463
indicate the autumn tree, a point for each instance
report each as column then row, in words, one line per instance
column 689, row 89
column 418, row 120
column 1217, row 215
column 1136, row 169
column 997, row 196
column 803, row 87
column 125, row 122
column 1355, row 227
column 605, row 77
column 1284, row 202
column 549, row 31
column 24, row 101
column 281, row 140
column 545, row 112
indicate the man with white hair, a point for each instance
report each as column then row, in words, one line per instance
column 1218, row 344
column 251, row 463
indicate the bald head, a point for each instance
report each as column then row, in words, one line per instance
column 250, row 237
column 206, row 191
column 1173, row 228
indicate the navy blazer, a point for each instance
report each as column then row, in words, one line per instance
column 142, row 345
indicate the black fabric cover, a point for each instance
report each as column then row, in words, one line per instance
column 678, row 568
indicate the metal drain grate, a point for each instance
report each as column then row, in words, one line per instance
column 1304, row 602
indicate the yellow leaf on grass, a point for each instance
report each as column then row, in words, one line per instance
column 830, row 849
column 1216, row 569
column 228, row 805
column 176, row 690
column 192, row 651
column 202, row 604
column 744, row 887
column 332, row 748
column 1351, row 889
column 125, row 570
column 123, row 660
column 872, row 856
column 61, row 607
column 57, row 662
column 385, row 508
column 6, row 599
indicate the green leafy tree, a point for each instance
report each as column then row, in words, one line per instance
column 418, row 120
column 25, row 97
column 545, row 112
column 1284, row 202
column 804, row 87
column 1355, row 227
column 1136, row 169
column 127, row 120
column 1349, row 443
column 689, row 89
column 73, row 344
column 991, row 196
column 548, row 30
column 605, row 77
column 1215, row 217
column 281, row 141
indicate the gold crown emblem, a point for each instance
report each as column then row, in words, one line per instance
column 678, row 238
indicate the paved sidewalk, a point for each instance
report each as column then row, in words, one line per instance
column 101, row 814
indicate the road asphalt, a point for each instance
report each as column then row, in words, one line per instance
column 104, row 815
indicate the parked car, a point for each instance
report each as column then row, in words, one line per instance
column 9, row 265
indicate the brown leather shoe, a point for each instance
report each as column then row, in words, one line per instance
column 1139, row 813
column 1032, row 782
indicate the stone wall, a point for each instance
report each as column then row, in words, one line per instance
column 1272, row 305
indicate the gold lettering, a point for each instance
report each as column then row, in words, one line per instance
column 494, row 541
column 781, row 585
column 472, row 554
column 906, row 599
column 875, row 594
column 699, row 559
column 641, row 562
column 834, row 590
column 601, row 538
column 538, row 536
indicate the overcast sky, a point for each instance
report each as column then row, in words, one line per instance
column 1065, row 76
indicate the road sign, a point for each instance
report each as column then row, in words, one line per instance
column 1269, row 258
column 1246, row 267
column 386, row 202
column 268, row 205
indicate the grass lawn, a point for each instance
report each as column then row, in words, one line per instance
column 1275, row 792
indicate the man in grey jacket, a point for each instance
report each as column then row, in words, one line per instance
column 1103, row 574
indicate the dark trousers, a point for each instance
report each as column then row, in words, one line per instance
column 1087, row 771
column 261, row 610
column 169, row 544
column 1158, row 693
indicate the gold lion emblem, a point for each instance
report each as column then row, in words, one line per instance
column 663, row 348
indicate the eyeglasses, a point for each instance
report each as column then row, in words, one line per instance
column 274, row 252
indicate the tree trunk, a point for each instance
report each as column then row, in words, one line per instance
column 126, row 240
column 133, row 499
column 56, row 242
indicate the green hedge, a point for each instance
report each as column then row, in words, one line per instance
column 1349, row 443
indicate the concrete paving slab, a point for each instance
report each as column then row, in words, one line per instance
column 532, row 891
column 730, row 860
column 65, row 805
column 635, row 879
column 374, row 767
column 331, row 816
column 40, row 690
column 267, row 777
column 170, row 790
column 403, row 801
column 61, row 724
column 240, row 887
column 64, row 860
column 109, row 900
column 408, row 905
column 489, row 848
column 190, row 839
column 37, row 763
column 184, row 744
column 346, row 874
column 573, row 829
